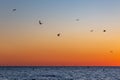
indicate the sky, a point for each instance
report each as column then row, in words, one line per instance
column 24, row 42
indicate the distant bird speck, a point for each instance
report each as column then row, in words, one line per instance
column 58, row 34
column 40, row 22
column 111, row 51
column 91, row 30
column 104, row 30
column 13, row 10
column 77, row 19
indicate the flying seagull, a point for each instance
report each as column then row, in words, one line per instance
column 77, row 19
column 58, row 34
column 13, row 10
column 91, row 30
column 111, row 51
column 40, row 22
column 104, row 30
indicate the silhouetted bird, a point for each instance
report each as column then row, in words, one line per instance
column 40, row 22
column 91, row 30
column 111, row 51
column 14, row 10
column 77, row 19
column 104, row 30
column 58, row 34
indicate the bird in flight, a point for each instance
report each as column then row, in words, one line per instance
column 40, row 22
column 13, row 10
column 77, row 19
column 104, row 30
column 58, row 34
column 111, row 51
column 91, row 30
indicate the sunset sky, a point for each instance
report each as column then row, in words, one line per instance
column 24, row 42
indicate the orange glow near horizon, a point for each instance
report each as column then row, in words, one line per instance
column 60, row 51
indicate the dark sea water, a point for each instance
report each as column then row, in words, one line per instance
column 59, row 73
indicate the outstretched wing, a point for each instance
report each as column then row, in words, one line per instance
column 40, row 22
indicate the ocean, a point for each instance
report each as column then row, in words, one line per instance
column 59, row 73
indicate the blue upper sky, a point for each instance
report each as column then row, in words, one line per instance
column 57, row 12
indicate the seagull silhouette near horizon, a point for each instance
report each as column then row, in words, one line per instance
column 14, row 10
column 104, row 30
column 40, row 22
column 58, row 34
column 77, row 19
column 111, row 51
column 91, row 30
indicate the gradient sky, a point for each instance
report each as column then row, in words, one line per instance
column 24, row 42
